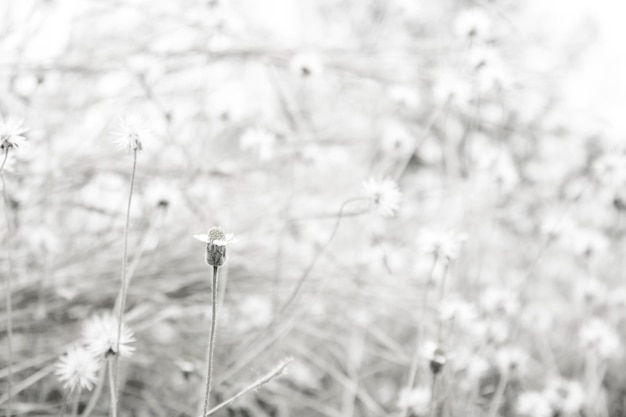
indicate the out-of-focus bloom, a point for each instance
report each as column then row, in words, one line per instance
column 472, row 23
column 77, row 369
column 11, row 133
column 566, row 397
column 216, row 241
column 436, row 356
column 416, row 400
column 131, row 133
column 610, row 169
column 591, row 293
column 599, row 337
column 261, row 142
column 100, row 336
column 307, row 64
column 458, row 310
column 451, row 86
column 404, row 98
column 533, row 404
column 443, row 244
column 511, row 360
column 397, row 139
column 499, row 301
column 383, row 195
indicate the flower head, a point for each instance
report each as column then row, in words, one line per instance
column 599, row 337
column 383, row 195
column 132, row 131
column 100, row 336
column 216, row 241
column 533, row 404
column 436, row 356
column 444, row 244
column 259, row 141
column 472, row 23
column 566, row 397
column 417, row 400
column 77, row 368
column 11, row 131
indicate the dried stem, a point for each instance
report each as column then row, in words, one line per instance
column 207, row 393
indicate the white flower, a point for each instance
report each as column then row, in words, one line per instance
column 444, row 244
column 307, row 64
column 11, row 131
column 259, row 141
column 599, row 337
column 417, row 400
column 533, row 404
column 511, row 360
column 216, row 241
column 132, row 131
column 77, row 368
column 567, row 397
column 472, row 23
column 384, row 196
column 100, row 336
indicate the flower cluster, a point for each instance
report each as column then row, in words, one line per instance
column 216, row 241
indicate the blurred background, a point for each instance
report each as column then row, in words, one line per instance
column 500, row 122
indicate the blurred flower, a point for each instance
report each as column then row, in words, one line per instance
column 100, row 336
column 591, row 292
column 436, row 356
column 511, row 360
column 599, row 337
column 533, row 404
column 472, row 23
column 11, row 131
column 405, row 98
column 499, row 301
column 131, row 134
column 458, row 310
column 445, row 245
column 259, row 141
column 161, row 194
column 216, row 241
column 610, row 169
column 306, row 64
column 77, row 368
column 397, row 139
column 566, row 397
column 384, row 195
column 416, row 400
column 451, row 86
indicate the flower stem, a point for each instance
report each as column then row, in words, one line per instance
column 124, row 284
column 66, row 397
column 75, row 403
column 207, row 393
column 112, row 388
column 8, row 286
column 96, row 394
column 499, row 395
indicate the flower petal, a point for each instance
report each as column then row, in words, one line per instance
column 202, row 238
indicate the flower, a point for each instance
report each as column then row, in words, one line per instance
column 11, row 131
column 216, row 241
column 472, row 23
column 417, row 400
column 100, row 336
column 567, row 397
column 307, row 64
column 511, row 360
column 533, row 404
column 383, row 195
column 436, row 356
column 259, row 141
column 443, row 244
column 77, row 368
column 132, row 131
column 598, row 336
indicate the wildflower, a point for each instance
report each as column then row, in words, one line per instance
column 417, row 400
column 11, row 133
column 499, row 301
column 599, row 337
column 591, row 293
column 132, row 131
column 444, row 245
column 383, row 194
column 436, row 356
column 472, row 23
column 533, row 404
column 306, row 64
column 397, row 139
column 259, row 141
column 100, row 335
column 511, row 360
column 566, row 397
column 216, row 241
column 77, row 368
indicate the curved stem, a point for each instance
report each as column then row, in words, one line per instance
column 112, row 388
column 8, row 287
column 124, row 284
column 207, row 394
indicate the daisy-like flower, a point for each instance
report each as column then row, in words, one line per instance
column 443, row 244
column 384, row 196
column 533, row 404
column 11, row 133
column 511, row 360
column 307, row 64
column 599, row 337
column 132, row 131
column 566, row 397
column 436, row 356
column 77, row 369
column 216, row 241
column 100, row 336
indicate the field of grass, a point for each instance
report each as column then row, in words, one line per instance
column 311, row 208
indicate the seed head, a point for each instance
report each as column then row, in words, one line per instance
column 216, row 241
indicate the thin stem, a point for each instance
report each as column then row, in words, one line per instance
column 497, row 398
column 124, row 285
column 8, row 286
column 255, row 385
column 112, row 388
column 433, row 396
column 207, row 393
column 64, row 406
column 75, row 403
column 420, row 336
